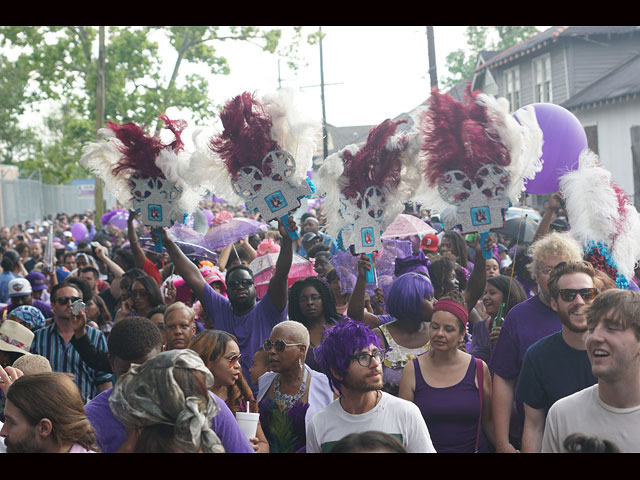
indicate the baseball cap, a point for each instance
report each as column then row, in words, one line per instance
column 19, row 287
column 309, row 236
column 430, row 242
column 37, row 281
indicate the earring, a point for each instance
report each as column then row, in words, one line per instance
column 300, row 363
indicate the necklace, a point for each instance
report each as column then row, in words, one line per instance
column 289, row 400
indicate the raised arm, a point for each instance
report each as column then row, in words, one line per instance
column 555, row 202
column 138, row 254
column 113, row 267
column 279, row 284
column 478, row 277
column 356, row 309
column 184, row 267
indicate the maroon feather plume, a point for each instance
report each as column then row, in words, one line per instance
column 459, row 136
column 374, row 164
column 246, row 137
column 139, row 151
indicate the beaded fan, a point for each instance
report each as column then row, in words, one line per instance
column 262, row 156
column 475, row 159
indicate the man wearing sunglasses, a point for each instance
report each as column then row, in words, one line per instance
column 557, row 366
column 239, row 313
column 54, row 343
column 352, row 357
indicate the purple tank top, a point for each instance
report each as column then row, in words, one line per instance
column 451, row 413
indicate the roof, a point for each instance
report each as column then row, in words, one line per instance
column 550, row 35
column 620, row 82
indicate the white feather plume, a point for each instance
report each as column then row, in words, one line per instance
column 101, row 158
column 171, row 164
column 599, row 214
column 294, row 131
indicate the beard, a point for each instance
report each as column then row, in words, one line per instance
column 361, row 385
column 566, row 321
column 28, row 445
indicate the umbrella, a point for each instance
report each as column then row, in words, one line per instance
column 405, row 226
column 346, row 266
column 264, row 267
column 187, row 240
column 117, row 218
column 522, row 229
column 232, row 230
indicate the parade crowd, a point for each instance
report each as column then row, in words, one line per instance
column 186, row 350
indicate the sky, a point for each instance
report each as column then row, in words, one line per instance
column 371, row 73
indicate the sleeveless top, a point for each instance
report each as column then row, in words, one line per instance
column 451, row 413
column 397, row 357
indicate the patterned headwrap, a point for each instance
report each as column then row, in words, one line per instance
column 29, row 314
column 148, row 394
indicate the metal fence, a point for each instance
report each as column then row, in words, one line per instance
column 26, row 199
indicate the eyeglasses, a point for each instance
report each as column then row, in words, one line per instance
column 65, row 300
column 545, row 270
column 364, row 358
column 233, row 360
column 138, row 293
column 569, row 294
column 245, row 282
column 279, row 345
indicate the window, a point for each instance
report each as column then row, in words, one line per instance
column 542, row 79
column 512, row 87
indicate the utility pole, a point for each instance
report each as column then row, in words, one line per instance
column 324, row 114
column 433, row 74
column 100, row 95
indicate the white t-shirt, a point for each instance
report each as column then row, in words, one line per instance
column 391, row 415
column 584, row 412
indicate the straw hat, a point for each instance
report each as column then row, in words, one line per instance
column 15, row 337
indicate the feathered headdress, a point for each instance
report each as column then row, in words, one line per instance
column 476, row 148
column 133, row 165
column 385, row 165
column 603, row 220
column 238, row 163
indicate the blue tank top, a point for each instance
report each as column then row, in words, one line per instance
column 451, row 413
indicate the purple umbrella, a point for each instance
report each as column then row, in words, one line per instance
column 227, row 229
column 117, row 218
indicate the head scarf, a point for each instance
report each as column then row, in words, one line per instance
column 148, row 394
column 453, row 307
column 29, row 314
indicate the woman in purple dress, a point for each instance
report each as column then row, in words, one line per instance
column 444, row 384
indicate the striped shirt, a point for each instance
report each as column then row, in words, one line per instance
column 65, row 358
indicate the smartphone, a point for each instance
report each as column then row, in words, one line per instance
column 77, row 307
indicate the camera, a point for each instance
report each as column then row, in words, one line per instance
column 77, row 307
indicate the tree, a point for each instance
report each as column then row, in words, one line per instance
column 461, row 63
column 58, row 63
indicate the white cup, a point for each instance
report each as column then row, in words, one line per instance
column 248, row 423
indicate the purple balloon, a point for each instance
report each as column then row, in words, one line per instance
column 79, row 231
column 564, row 140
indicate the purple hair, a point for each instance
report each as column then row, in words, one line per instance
column 407, row 295
column 340, row 342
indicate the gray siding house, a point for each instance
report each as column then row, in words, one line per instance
column 592, row 71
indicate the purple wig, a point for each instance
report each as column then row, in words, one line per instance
column 407, row 294
column 340, row 342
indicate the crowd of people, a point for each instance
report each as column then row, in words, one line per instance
column 109, row 345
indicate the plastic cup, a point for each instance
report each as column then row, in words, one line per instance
column 248, row 423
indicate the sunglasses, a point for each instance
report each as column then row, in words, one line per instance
column 569, row 294
column 245, row 282
column 233, row 360
column 138, row 293
column 364, row 358
column 65, row 300
column 279, row 345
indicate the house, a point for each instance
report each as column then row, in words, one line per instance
column 592, row 71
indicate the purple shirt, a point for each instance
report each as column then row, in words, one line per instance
column 524, row 325
column 111, row 433
column 251, row 329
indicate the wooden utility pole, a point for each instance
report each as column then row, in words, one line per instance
column 324, row 114
column 100, row 95
column 433, row 73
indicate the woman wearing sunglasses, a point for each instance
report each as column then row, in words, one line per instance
column 144, row 295
column 451, row 387
column 291, row 393
column 220, row 352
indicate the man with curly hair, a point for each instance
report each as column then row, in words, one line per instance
column 351, row 355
